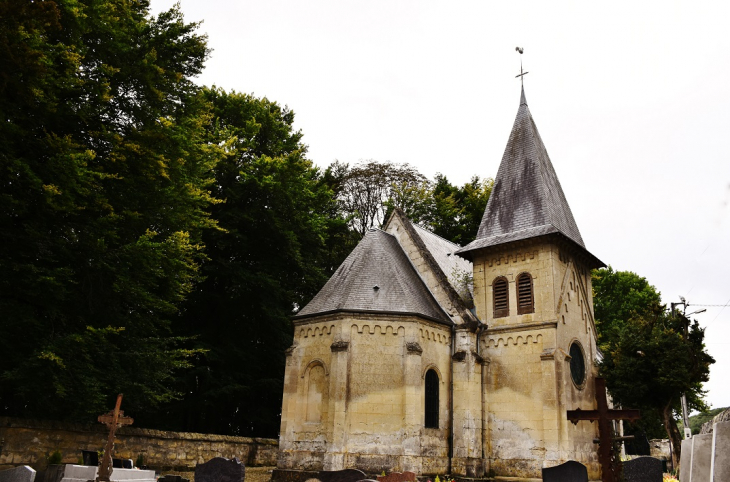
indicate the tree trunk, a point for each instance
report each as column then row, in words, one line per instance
column 673, row 433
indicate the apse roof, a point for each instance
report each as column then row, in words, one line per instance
column 376, row 277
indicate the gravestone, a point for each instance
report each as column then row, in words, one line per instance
column 220, row 469
column 172, row 478
column 643, row 469
column 398, row 477
column 18, row 474
column 685, row 465
column 570, row 471
column 721, row 452
column 347, row 475
column 83, row 473
column 701, row 458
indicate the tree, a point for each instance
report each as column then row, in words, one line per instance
column 456, row 213
column 648, row 362
column 104, row 173
column 367, row 190
column 270, row 256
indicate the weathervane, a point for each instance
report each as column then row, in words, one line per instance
column 522, row 74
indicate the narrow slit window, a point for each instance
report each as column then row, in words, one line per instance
column 525, row 296
column 500, row 289
column 432, row 399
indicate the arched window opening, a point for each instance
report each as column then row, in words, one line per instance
column 500, row 290
column 432, row 399
column 316, row 393
column 525, row 297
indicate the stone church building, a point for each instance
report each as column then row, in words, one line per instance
column 392, row 370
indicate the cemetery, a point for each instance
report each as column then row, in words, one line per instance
column 185, row 296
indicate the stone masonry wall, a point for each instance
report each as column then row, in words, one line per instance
column 30, row 442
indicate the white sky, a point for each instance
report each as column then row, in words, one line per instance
column 631, row 99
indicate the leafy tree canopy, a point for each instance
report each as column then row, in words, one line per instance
column 368, row 192
column 650, row 356
column 105, row 170
column 269, row 257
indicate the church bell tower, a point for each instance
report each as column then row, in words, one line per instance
column 532, row 287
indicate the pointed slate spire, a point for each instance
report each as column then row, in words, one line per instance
column 527, row 200
column 377, row 277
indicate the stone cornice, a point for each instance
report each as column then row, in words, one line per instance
column 540, row 325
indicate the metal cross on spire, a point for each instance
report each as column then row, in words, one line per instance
column 522, row 73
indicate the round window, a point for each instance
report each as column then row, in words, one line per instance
column 577, row 364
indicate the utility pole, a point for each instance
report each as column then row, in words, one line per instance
column 685, row 325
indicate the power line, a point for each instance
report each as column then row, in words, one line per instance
column 718, row 313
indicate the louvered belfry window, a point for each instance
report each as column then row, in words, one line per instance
column 500, row 289
column 525, row 296
column 432, row 400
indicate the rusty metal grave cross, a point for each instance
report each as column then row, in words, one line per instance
column 113, row 420
column 604, row 415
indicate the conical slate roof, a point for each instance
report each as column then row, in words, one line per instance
column 376, row 277
column 527, row 200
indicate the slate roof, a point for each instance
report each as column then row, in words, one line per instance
column 378, row 260
column 527, row 200
column 444, row 252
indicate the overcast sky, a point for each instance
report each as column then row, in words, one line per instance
column 631, row 99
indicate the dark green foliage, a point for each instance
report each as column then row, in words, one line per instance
column 104, row 172
column 270, row 256
column 457, row 212
column 648, row 361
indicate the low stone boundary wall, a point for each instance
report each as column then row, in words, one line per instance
column 31, row 442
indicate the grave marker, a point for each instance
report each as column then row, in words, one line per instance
column 685, row 467
column 220, row 469
column 721, row 452
column 643, row 469
column 18, row 474
column 570, row 471
column 604, row 417
column 701, row 458
column 113, row 420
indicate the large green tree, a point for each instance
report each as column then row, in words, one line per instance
column 270, row 256
column 105, row 168
column 650, row 356
column 457, row 212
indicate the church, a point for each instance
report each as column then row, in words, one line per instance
column 392, row 370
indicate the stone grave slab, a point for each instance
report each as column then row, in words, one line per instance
column 18, row 474
column 643, row 469
column 701, row 458
column 220, row 469
column 347, row 475
column 84, row 473
column 570, row 471
column 721, row 452
column 398, row 477
column 685, row 462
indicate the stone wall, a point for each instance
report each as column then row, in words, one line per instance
column 30, row 442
